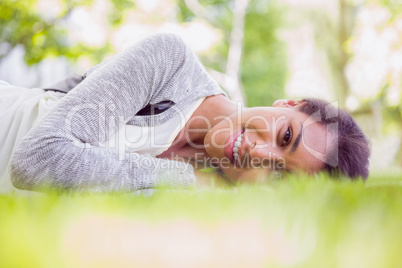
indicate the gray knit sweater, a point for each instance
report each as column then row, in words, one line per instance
column 62, row 150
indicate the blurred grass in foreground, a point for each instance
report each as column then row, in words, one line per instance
column 298, row 222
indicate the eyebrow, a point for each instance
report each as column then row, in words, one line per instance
column 298, row 138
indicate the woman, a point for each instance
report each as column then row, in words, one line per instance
column 150, row 115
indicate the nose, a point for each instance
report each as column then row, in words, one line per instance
column 265, row 155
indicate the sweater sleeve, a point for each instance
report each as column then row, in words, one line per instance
column 63, row 149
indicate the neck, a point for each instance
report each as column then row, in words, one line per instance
column 212, row 110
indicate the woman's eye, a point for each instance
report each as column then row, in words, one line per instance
column 287, row 137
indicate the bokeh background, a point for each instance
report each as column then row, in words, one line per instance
column 345, row 51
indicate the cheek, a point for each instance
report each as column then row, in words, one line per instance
column 225, row 127
column 248, row 117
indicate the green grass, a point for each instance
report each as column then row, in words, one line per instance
column 297, row 222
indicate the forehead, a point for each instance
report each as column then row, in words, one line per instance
column 314, row 144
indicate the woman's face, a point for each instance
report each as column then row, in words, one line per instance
column 256, row 141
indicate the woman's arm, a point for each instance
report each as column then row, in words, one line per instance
column 63, row 150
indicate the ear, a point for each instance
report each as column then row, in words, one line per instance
column 293, row 103
column 286, row 103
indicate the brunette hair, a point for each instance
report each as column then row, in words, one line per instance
column 350, row 152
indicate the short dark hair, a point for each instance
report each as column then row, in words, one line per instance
column 353, row 147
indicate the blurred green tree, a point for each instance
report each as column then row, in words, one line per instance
column 262, row 68
column 21, row 23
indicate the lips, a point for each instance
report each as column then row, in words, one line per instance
column 230, row 143
column 236, row 146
